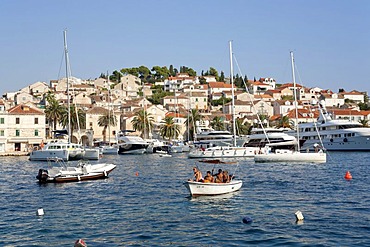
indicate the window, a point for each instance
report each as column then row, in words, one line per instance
column 91, row 124
column 36, row 132
column 17, row 120
column 17, row 133
column 36, row 120
column 2, row 133
column 2, row 121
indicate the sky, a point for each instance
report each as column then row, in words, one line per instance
column 330, row 39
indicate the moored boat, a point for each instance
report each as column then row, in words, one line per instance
column 61, row 173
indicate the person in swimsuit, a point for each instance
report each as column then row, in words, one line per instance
column 197, row 175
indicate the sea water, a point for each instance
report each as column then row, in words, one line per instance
column 144, row 203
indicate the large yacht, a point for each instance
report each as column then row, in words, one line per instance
column 130, row 144
column 335, row 135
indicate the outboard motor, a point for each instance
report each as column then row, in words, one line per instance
column 43, row 175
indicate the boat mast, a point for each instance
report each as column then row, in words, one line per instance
column 67, row 77
column 109, row 108
column 232, row 92
column 295, row 100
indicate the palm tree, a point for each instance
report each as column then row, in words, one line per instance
column 143, row 122
column 169, row 129
column 217, row 123
column 193, row 118
column 364, row 122
column 78, row 118
column 285, row 122
column 53, row 112
column 242, row 129
column 106, row 120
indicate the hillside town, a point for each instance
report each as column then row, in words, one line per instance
column 24, row 124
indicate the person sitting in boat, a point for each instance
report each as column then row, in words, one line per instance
column 208, row 178
column 197, row 175
column 226, row 177
column 219, row 176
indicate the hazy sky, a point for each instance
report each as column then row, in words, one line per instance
column 330, row 39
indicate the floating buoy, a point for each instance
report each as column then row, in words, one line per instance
column 137, row 174
column 299, row 215
column 247, row 220
column 80, row 243
column 40, row 212
column 348, row 176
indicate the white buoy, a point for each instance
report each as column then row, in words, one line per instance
column 299, row 215
column 40, row 212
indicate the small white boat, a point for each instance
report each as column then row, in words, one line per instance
column 212, row 189
column 92, row 154
column 109, row 149
column 58, row 148
column 61, row 173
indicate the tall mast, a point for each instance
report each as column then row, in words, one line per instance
column 232, row 92
column 295, row 100
column 67, row 77
column 109, row 108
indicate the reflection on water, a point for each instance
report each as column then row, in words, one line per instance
column 144, row 202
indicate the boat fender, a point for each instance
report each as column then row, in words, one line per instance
column 78, row 177
column 105, row 173
column 247, row 220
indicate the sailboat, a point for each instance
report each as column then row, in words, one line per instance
column 65, row 150
column 211, row 189
column 275, row 154
column 226, row 151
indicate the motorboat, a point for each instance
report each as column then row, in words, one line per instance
column 335, row 134
column 61, row 173
column 58, row 148
column 212, row 189
column 130, row 144
column 157, row 146
column 179, row 147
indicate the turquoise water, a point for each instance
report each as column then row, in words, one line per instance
column 144, row 203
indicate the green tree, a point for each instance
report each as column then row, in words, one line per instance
column 116, row 76
column 241, row 128
column 191, row 121
column 285, row 122
column 106, row 120
column 222, row 76
column 364, row 122
column 169, row 129
column 161, row 73
column 143, row 122
column 217, row 123
column 78, row 118
column 53, row 110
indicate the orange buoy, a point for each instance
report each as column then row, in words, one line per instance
column 137, row 174
column 348, row 176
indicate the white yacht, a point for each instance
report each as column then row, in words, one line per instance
column 336, row 135
column 130, row 144
column 58, row 149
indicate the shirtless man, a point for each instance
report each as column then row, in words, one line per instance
column 219, row 176
column 197, row 175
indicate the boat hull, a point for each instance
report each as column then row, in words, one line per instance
column 227, row 152
column 72, row 174
column 43, row 155
column 212, row 189
column 288, row 156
